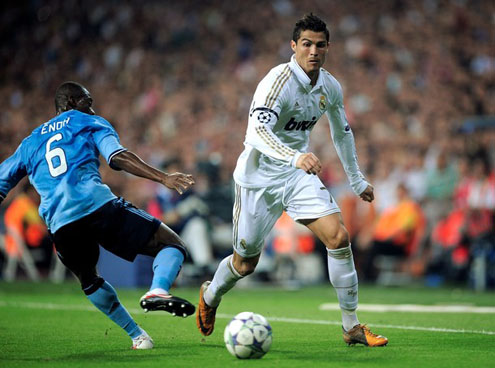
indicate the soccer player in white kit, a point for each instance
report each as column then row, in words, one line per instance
column 276, row 173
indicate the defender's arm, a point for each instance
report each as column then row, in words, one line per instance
column 133, row 164
column 12, row 170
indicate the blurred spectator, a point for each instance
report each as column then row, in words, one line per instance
column 398, row 232
column 186, row 215
column 26, row 238
column 468, row 231
column 22, row 217
column 293, row 248
column 440, row 184
column 218, row 197
column 414, row 176
column 481, row 193
column 481, row 217
column 359, row 218
column 386, row 181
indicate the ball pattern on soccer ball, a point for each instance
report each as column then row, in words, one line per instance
column 248, row 336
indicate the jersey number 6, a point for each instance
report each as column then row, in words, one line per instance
column 55, row 152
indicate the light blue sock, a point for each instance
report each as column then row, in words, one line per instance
column 105, row 299
column 166, row 267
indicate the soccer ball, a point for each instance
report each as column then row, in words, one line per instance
column 248, row 336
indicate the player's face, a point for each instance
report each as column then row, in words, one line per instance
column 311, row 49
column 85, row 103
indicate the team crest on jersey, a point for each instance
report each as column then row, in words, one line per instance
column 323, row 102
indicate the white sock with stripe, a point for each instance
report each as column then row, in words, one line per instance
column 343, row 277
column 224, row 279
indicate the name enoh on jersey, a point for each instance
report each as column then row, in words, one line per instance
column 54, row 126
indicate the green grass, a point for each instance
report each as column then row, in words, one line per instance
column 64, row 330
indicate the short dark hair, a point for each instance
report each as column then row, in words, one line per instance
column 66, row 91
column 310, row 22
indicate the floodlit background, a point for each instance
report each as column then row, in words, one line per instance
column 176, row 79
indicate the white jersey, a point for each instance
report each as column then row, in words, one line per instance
column 284, row 110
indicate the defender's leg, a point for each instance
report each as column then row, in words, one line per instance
column 128, row 231
column 80, row 255
column 169, row 252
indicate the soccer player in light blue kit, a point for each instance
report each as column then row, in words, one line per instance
column 61, row 159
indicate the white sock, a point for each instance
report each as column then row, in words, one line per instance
column 343, row 277
column 143, row 334
column 349, row 319
column 158, row 291
column 225, row 278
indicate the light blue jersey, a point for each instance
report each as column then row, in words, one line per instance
column 61, row 158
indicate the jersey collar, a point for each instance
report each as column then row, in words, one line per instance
column 302, row 77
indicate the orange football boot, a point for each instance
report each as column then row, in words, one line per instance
column 361, row 334
column 205, row 315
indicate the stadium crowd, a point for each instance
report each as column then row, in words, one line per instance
column 176, row 80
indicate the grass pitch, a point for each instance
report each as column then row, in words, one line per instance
column 44, row 325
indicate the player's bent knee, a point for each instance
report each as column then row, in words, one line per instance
column 153, row 248
column 245, row 266
column 342, row 238
column 164, row 237
column 339, row 239
column 246, row 269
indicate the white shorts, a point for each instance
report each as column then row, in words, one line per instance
column 257, row 209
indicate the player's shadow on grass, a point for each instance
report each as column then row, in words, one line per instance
column 117, row 355
column 110, row 356
column 124, row 355
column 343, row 355
column 204, row 344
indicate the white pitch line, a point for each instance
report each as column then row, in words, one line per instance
column 416, row 308
column 339, row 323
column 90, row 308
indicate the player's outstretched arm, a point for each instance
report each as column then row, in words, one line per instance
column 133, row 164
column 12, row 170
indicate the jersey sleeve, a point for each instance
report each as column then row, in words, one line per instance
column 264, row 114
column 12, row 170
column 106, row 139
column 343, row 140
